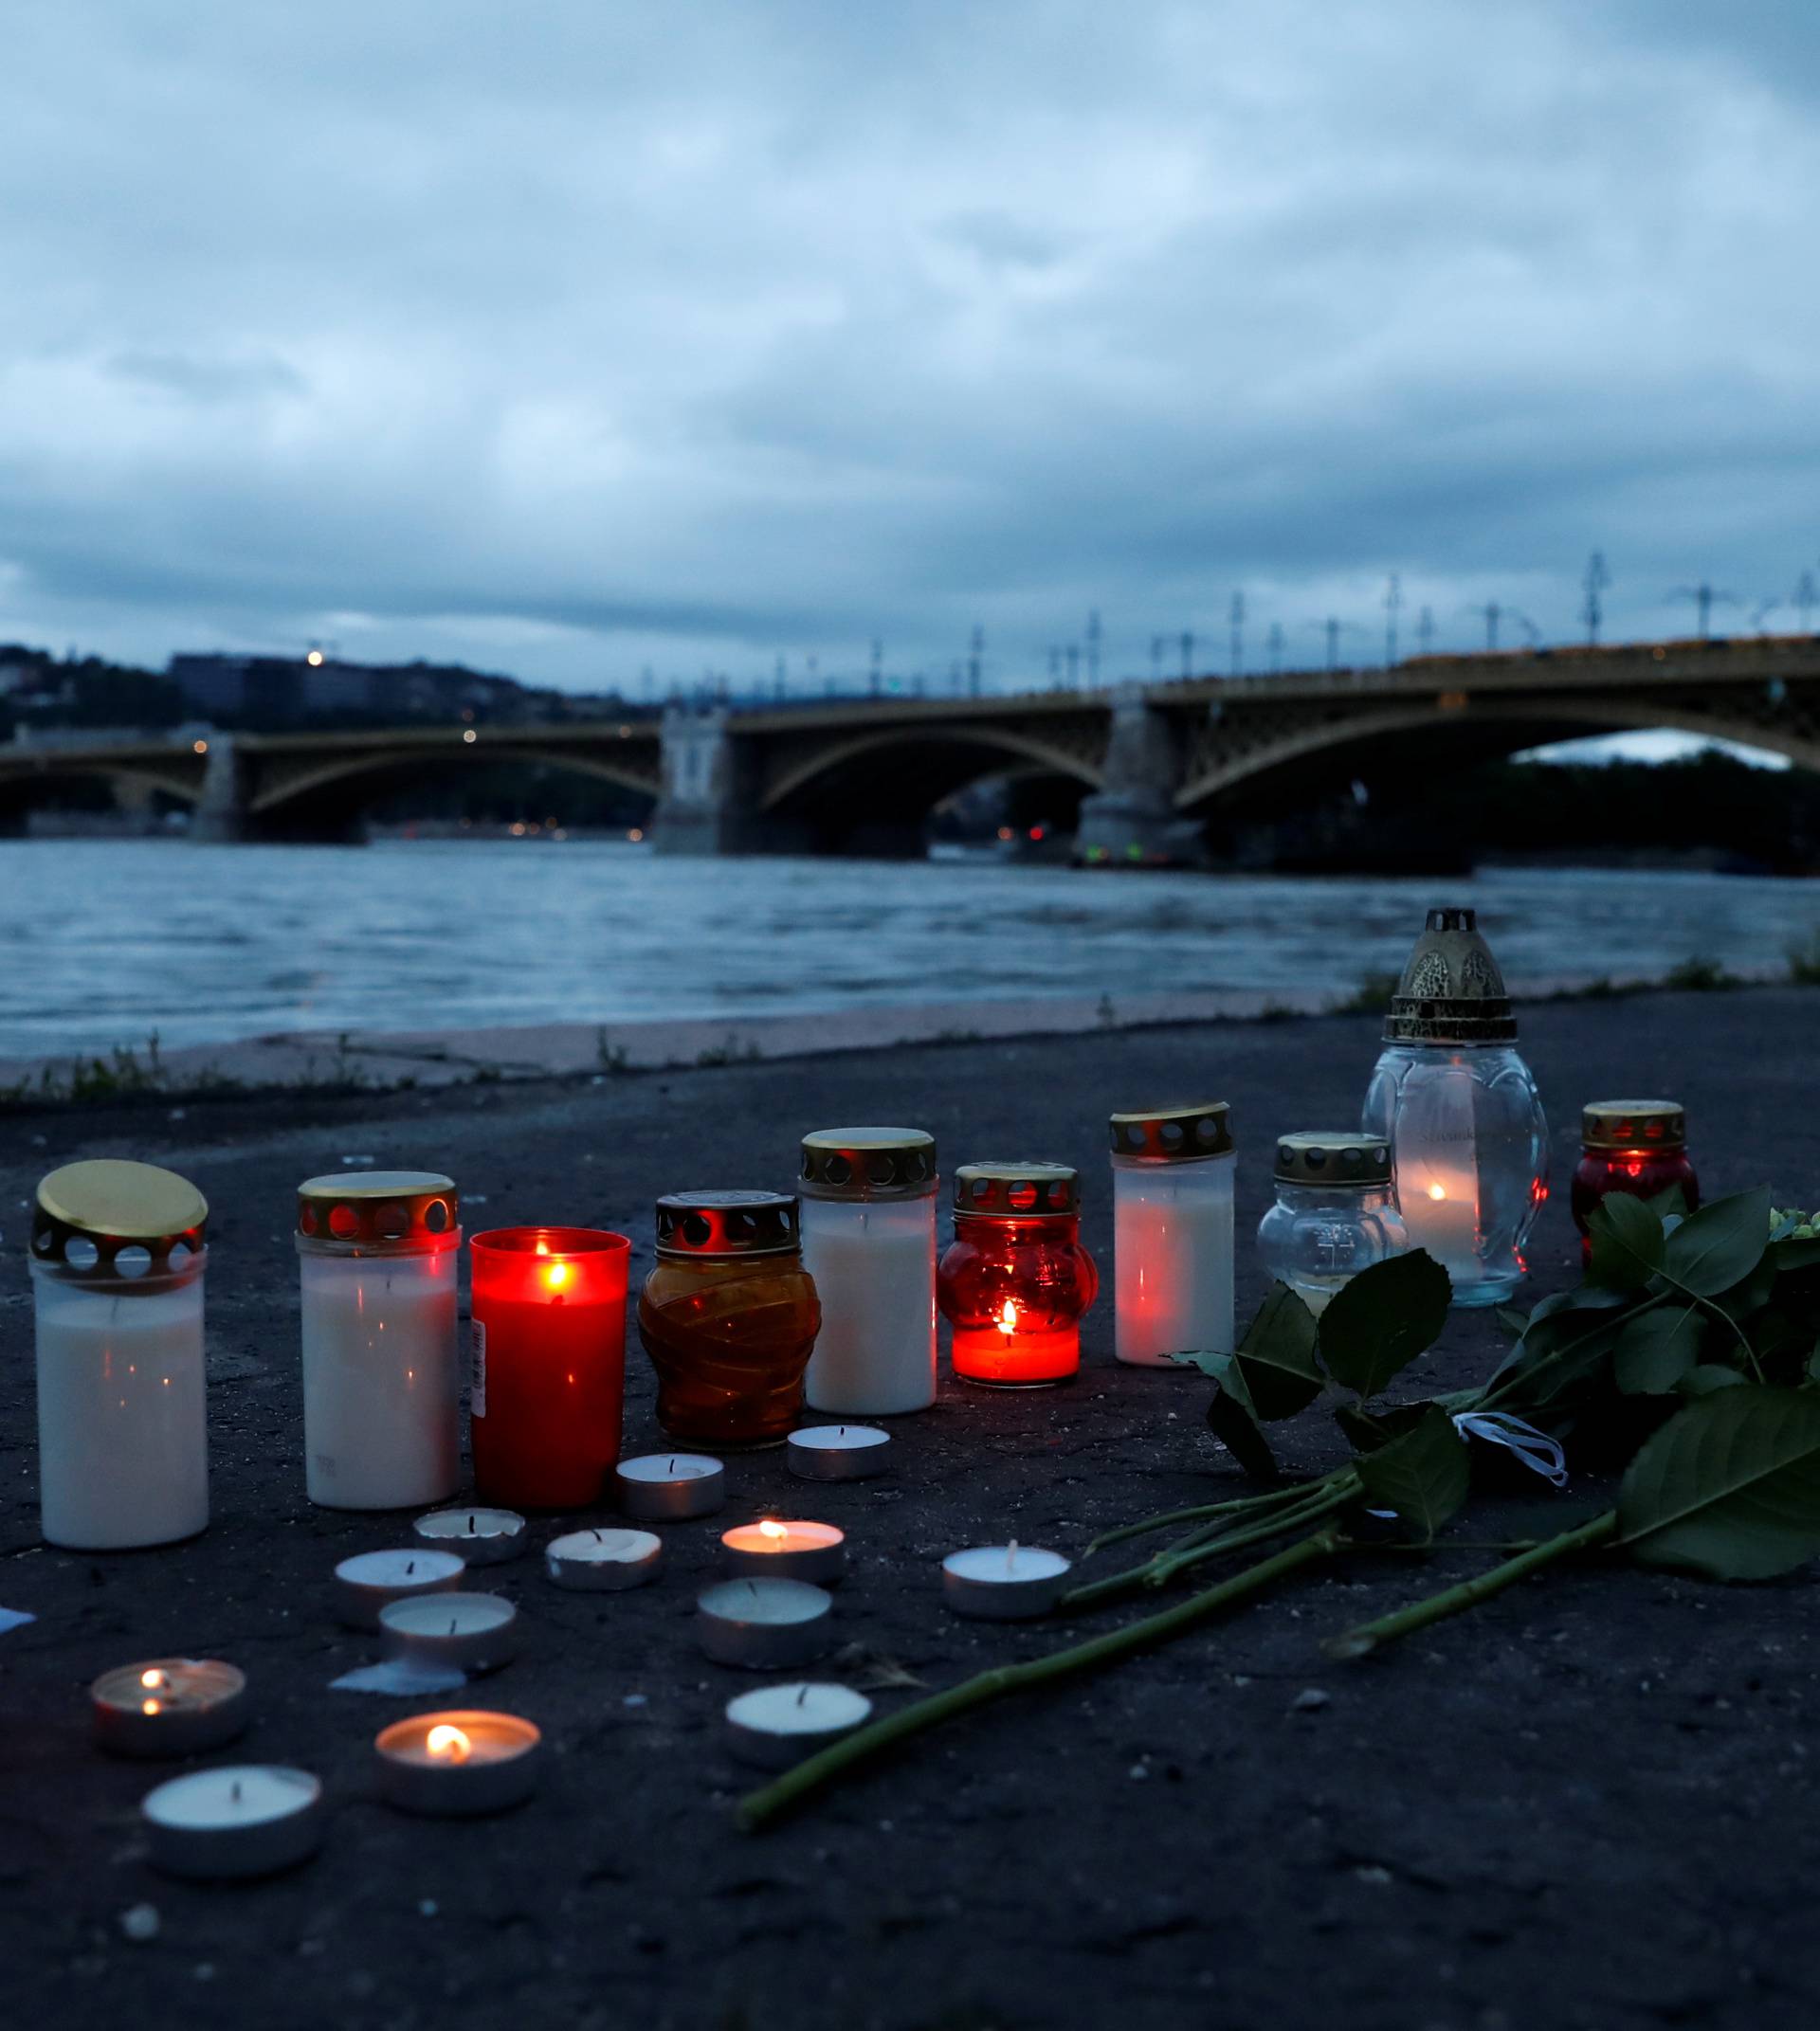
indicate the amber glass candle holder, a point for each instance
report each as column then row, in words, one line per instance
column 729, row 1317
column 1015, row 1280
column 549, row 1378
column 1639, row 1147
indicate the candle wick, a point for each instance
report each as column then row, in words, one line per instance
column 672, row 1464
column 234, row 1792
column 803, row 1695
column 1010, row 1557
column 411, row 1566
column 597, row 1533
column 451, row 1625
column 470, row 1519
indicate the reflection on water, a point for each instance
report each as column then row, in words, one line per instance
column 102, row 941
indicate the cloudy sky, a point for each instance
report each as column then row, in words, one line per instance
column 573, row 338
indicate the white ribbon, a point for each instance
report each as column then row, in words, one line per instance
column 1536, row 1450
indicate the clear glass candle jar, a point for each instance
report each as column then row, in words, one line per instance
column 1459, row 1107
column 729, row 1316
column 868, row 1213
column 117, row 1261
column 1336, row 1213
column 1172, row 1233
column 548, row 1386
column 1639, row 1147
column 379, row 1254
column 1015, row 1281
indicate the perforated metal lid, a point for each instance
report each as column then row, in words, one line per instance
column 112, row 1204
column 869, row 1164
column 1633, row 1125
column 370, row 1211
column 1173, row 1134
column 1016, row 1192
column 1451, row 990
column 728, row 1223
column 1333, row 1157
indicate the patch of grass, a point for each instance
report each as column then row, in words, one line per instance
column 1371, row 997
column 1701, row 976
column 610, row 1057
column 1276, row 1012
column 1804, row 962
column 730, row 1053
column 1106, row 1015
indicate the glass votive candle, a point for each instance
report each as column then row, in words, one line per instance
column 549, row 1364
column 729, row 1316
column 116, row 1270
column 1015, row 1280
column 1172, row 1232
column 379, row 1255
column 869, row 1242
column 1638, row 1147
column 1336, row 1213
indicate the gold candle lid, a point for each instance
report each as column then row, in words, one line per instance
column 1634, row 1125
column 1333, row 1157
column 1451, row 990
column 1173, row 1134
column 1015, row 1192
column 112, row 1204
column 409, row 1211
column 727, row 1223
column 869, row 1164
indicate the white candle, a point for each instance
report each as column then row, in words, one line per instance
column 604, row 1561
column 476, row 1536
column 1440, row 1207
column 380, row 1381
column 1173, row 1260
column 669, row 1487
column 763, row 1625
column 1003, row 1583
column 370, row 1580
column 459, row 1764
column 240, row 1820
column 467, row 1632
column 779, row 1725
column 814, row 1551
column 838, row 1452
column 122, row 1422
column 873, row 1267
column 168, row 1707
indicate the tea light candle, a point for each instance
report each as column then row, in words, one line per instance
column 243, row 1819
column 168, row 1707
column 604, row 1561
column 838, row 1452
column 670, row 1487
column 763, row 1625
column 790, row 1550
column 1003, row 1583
column 779, row 1724
column 469, row 1632
column 370, row 1580
column 476, row 1536
column 457, row 1765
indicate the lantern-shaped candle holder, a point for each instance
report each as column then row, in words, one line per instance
column 549, row 1364
column 116, row 1270
column 729, row 1316
column 1015, row 1281
column 1335, row 1213
column 1460, row 1110
column 1637, row 1147
column 379, row 1253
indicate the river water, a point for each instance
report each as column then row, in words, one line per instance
column 103, row 941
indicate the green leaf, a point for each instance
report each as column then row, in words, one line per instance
column 1656, row 1349
column 1370, row 1431
column 1628, row 1242
column 1512, row 1320
column 1721, row 1245
column 1380, row 1321
column 1277, row 1356
column 1424, row 1476
column 1669, row 1203
column 1230, row 1417
column 1729, row 1487
column 1710, row 1377
column 1793, row 1253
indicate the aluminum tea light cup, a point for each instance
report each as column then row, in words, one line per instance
column 465, row 1632
column 669, row 1487
column 168, row 1707
column 458, row 1765
column 370, row 1580
column 1004, row 1583
column 476, row 1536
column 604, row 1561
column 241, row 1819
column 763, row 1625
column 838, row 1452
column 793, row 1551
column 779, row 1725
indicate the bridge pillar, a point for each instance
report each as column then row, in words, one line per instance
column 707, row 805
column 1133, row 821
column 221, row 817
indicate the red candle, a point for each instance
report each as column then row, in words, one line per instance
column 549, row 1364
column 1015, row 1280
column 1638, row 1147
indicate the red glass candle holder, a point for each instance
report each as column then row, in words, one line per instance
column 549, row 1364
column 1639, row 1147
column 1015, row 1280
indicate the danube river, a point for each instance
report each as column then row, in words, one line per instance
column 104, row 941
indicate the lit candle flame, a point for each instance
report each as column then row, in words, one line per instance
column 1007, row 1316
column 1437, row 1191
column 152, row 1706
column 556, row 1275
column 153, row 1679
column 445, row 1740
column 771, row 1530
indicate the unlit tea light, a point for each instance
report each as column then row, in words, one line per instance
column 604, row 1561
column 1003, row 1583
column 838, row 1452
column 779, row 1724
column 670, row 1487
column 458, row 1765
column 467, row 1632
column 815, row 1551
column 476, row 1536
column 764, row 1624
column 243, row 1820
column 168, row 1707
column 373, row 1579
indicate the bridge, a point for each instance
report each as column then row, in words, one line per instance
column 1148, row 764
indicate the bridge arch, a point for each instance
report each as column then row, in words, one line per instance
column 27, row 781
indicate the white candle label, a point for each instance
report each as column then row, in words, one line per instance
column 477, row 1403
